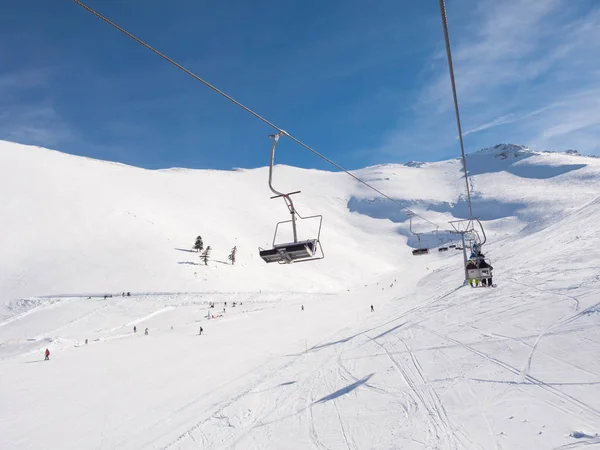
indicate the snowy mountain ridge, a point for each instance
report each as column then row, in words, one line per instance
column 144, row 221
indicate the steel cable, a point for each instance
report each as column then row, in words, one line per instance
column 258, row 116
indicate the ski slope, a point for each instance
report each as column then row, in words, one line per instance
column 436, row 365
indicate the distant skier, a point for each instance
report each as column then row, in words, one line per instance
column 146, row 332
column 134, row 329
column 129, row 294
column 372, row 309
column 302, row 308
column 200, row 331
column 86, row 341
column 47, row 355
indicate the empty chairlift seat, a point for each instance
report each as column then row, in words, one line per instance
column 443, row 249
column 420, row 251
column 290, row 252
column 297, row 251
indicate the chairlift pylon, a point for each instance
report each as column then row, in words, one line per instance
column 296, row 251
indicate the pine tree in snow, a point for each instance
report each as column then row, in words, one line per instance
column 199, row 245
column 206, row 255
column 232, row 255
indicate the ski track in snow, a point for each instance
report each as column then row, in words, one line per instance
column 439, row 425
column 539, row 383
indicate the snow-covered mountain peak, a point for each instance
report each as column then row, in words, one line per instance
column 414, row 164
column 505, row 151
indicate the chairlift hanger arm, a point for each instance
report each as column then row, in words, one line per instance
column 286, row 197
column 275, row 138
column 482, row 231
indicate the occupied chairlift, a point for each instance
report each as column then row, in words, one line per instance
column 478, row 268
column 296, row 251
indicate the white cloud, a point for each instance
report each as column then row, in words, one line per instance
column 31, row 121
column 502, row 120
column 34, row 124
column 526, row 71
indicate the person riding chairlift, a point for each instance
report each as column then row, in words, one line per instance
column 471, row 265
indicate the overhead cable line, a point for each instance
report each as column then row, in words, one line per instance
column 245, row 108
column 451, row 68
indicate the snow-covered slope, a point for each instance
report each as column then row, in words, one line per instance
column 76, row 225
column 436, row 365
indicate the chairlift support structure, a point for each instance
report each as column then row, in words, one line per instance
column 296, row 251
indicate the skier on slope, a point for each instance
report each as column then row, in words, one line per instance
column 47, row 355
column 200, row 331
column 146, row 332
column 134, row 329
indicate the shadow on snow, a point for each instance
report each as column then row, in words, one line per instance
column 345, row 390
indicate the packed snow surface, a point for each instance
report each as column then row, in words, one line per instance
column 300, row 361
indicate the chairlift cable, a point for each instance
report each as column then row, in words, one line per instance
column 478, row 268
column 245, row 108
column 451, row 69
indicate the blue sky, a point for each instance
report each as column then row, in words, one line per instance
column 363, row 83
